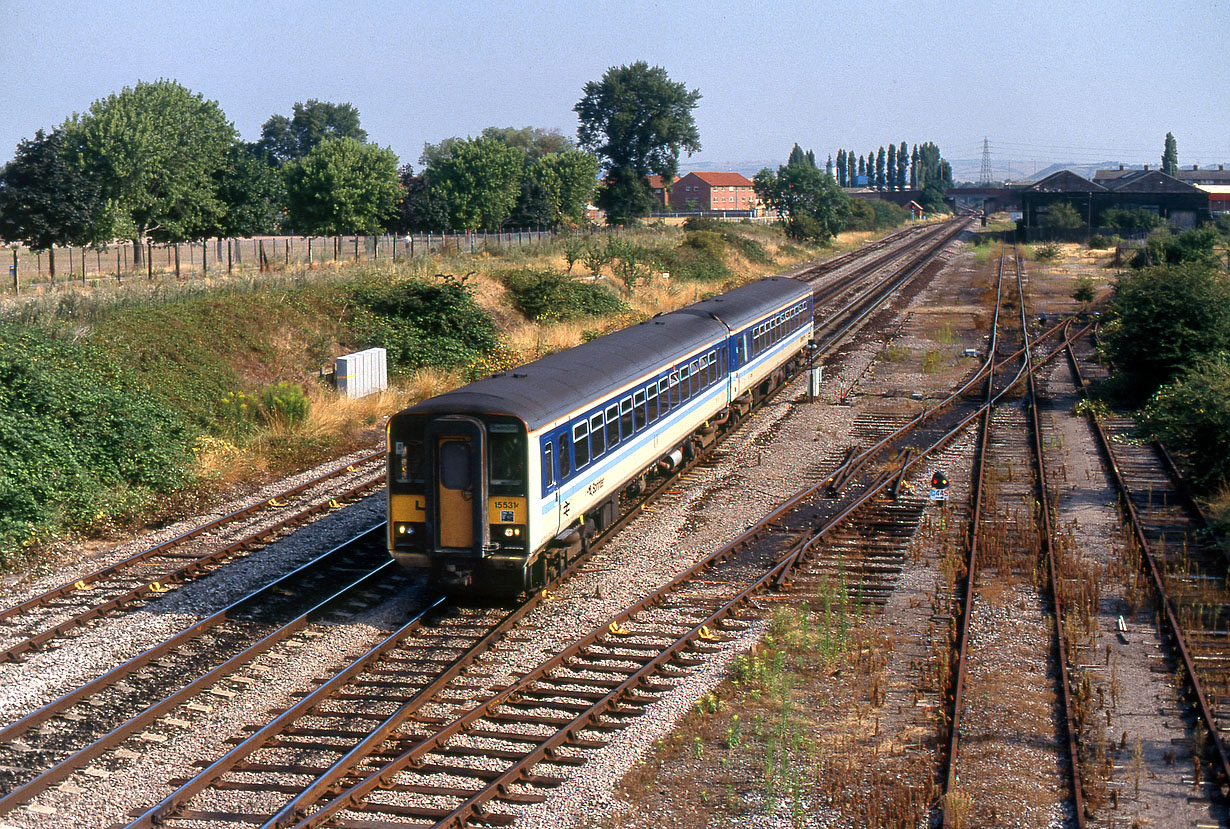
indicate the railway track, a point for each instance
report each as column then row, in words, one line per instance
column 40, row 621
column 50, row 743
column 993, row 726
column 1170, row 536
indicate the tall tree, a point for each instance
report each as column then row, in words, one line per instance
column 811, row 158
column 797, row 156
column 342, row 186
column 812, row 204
column 841, row 167
column 1170, row 156
column 903, row 160
column 862, row 166
column 156, row 151
column 851, row 169
column 914, row 169
column 286, row 139
column 637, row 120
column 881, row 180
column 569, row 179
column 252, row 193
column 890, row 169
column 45, row 199
column 828, row 165
column 479, row 179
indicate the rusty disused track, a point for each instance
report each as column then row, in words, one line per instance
column 1188, row 573
column 1031, row 457
column 140, row 578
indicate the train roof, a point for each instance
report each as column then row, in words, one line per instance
column 554, row 386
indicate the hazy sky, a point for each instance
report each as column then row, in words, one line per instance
column 1043, row 81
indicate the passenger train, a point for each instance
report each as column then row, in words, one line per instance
column 495, row 486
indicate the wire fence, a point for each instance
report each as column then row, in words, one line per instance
column 31, row 270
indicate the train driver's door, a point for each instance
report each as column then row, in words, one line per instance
column 459, row 447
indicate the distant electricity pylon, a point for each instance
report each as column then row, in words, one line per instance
column 984, row 177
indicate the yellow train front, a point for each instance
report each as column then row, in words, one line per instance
column 494, row 487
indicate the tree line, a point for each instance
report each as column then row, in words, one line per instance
column 900, row 168
column 160, row 163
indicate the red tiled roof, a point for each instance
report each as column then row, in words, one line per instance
column 723, row 179
column 655, row 181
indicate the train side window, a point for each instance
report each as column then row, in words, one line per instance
column 653, row 402
column 715, row 372
column 664, row 396
column 565, row 468
column 625, row 416
column 683, row 389
column 674, row 389
column 723, row 367
column 580, row 444
column 612, row 425
column 597, row 436
column 638, row 408
column 693, row 375
column 548, row 466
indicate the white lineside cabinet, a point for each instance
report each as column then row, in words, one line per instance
column 362, row 373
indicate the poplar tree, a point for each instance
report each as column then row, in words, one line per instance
column 880, row 179
column 862, row 166
column 841, row 167
column 903, row 156
column 851, row 169
column 914, row 169
column 890, row 171
column 1170, row 156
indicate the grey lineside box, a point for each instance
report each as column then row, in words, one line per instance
column 362, row 373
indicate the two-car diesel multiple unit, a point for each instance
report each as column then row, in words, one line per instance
column 495, row 486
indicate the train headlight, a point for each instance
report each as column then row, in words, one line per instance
column 403, row 530
column 508, row 532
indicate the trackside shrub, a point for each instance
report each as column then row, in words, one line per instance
column 284, row 403
column 82, row 441
column 550, row 295
column 237, row 414
column 423, row 323
column 1192, row 416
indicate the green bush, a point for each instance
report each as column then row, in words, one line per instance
column 549, row 295
column 1192, row 416
column 1165, row 318
column 751, row 249
column 1099, row 242
column 690, row 263
column 708, row 242
column 1165, row 248
column 82, row 441
column 284, row 403
column 422, row 323
column 1130, row 219
column 1046, row 251
column 237, row 414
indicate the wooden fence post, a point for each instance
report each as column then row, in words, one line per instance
column 204, row 258
column 149, row 259
column 286, row 260
column 228, row 257
column 309, row 251
column 177, row 274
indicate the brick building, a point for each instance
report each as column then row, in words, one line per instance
column 712, row 191
column 660, row 191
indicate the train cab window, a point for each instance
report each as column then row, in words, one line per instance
column 694, row 376
column 625, row 416
column 612, row 425
column 684, row 387
column 506, row 459
column 548, row 466
column 638, row 408
column 408, row 462
column 580, row 444
column 565, row 465
column 455, row 465
column 597, row 435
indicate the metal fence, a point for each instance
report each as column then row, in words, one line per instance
column 119, row 262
